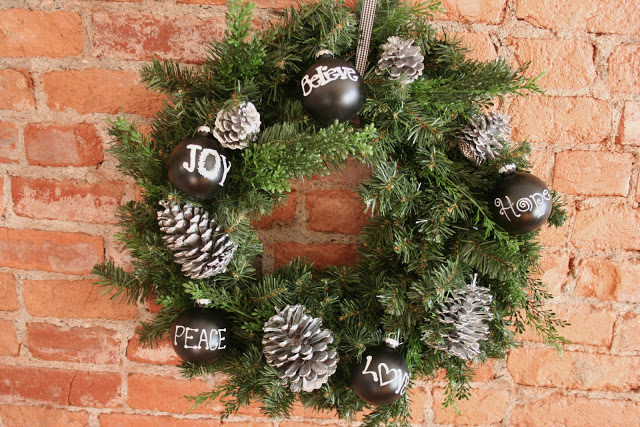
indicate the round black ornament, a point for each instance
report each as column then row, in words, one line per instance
column 332, row 89
column 200, row 335
column 198, row 166
column 520, row 202
column 383, row 375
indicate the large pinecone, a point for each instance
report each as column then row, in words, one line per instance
column 401, row 59
column 196, row 241
column 298, row 349
column 484, row 137
column 467, row 313
column 237, row 126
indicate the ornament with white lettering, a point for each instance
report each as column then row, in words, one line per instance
column 200, row 334
column 520, row 202
column 332, row 89
column 198, row 166
column 383, row 375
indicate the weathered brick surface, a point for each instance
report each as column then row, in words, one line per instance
column 629, row 133
column 486, row 406
column 62, row 145
column 23, row 415
column 159, row 354
column 131, row 420
column 593, row 173
column 629, row 338
column 623, row 65
column 281, row 215
column 606, row 279
column 9, row 134
column 17, row 92
column 335, row 211
column 9, row 345
column 321, row 255
column 487, row 11
column 607, row 225
column 8, row 296
column 161, row 393
column 480, row 46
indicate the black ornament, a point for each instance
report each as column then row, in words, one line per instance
column 332, row 89
column 520, row 202
column 198, row 166
column 383, row 375
column 200, row 335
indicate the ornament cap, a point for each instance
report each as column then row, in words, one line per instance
column 324, row 52
column 507, row 169
column 203, row 129
column 391, row 342
column 203, row 302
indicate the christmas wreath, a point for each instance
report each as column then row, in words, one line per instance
column 446, row 261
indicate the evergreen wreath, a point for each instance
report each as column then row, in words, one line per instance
column 430, row 229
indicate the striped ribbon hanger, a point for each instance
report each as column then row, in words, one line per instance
column 366, row 26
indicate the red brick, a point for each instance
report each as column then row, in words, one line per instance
column 629, row 132
column 560, row 120
column 99, row 91
column 81, row 344
column 628, row 337
column 161, row 354
column 557, row 237
column 607, row 225
column 354, row 174
column 8, row 292
column 420, row 399
column 72, row 299
column 576, row 411
column 303, row 424
column 322, row 255
column 588, row 324
column 72, row 253
column 486, row 11
column 594, row 173
column 299, row 410
column 554, row 272
column 152, row 420
column 138, row 36
column 9, row 151
column 1, row 196
column 608, row 16
column 335, row 211
column 16, row 90
column 567, row 64
column 481, row 47
column 609, row 280
column 262, row 4
column 485, row 406
column 67, row 200
column 573, row 370
column 283, row 214
column 9, row 345
column 63, row 145
column 96, row 389
column 623, row 69
column 28, row 33
column 20, row 416
column 159, row 393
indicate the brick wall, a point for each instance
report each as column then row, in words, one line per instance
column 68, row 355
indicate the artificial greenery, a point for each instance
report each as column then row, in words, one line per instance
column 430, row 228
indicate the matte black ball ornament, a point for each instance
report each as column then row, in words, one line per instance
column 383, row 375
column 200, row 334
column 332, row 89
column 198, row 166
column 520, row 202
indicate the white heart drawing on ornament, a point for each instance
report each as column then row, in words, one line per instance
column 396, row 372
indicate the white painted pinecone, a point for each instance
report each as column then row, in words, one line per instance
column 400, row 58
column 468, row 313
column 196, row 241
column 484, row 138
column 296, row 346
column 237, row 126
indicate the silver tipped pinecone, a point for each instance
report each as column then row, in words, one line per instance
column 467, row 314
column 484, row 137
column 196, row 241
column 298, row 349
column 401, row 59
column 237, row 126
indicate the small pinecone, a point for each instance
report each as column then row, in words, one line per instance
column 401, row 59
column 467, row 312
column 483, row 138
column 297, row 348
column 196, row 242
column 237, row 126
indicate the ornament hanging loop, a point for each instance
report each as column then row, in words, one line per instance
column 367, row 17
